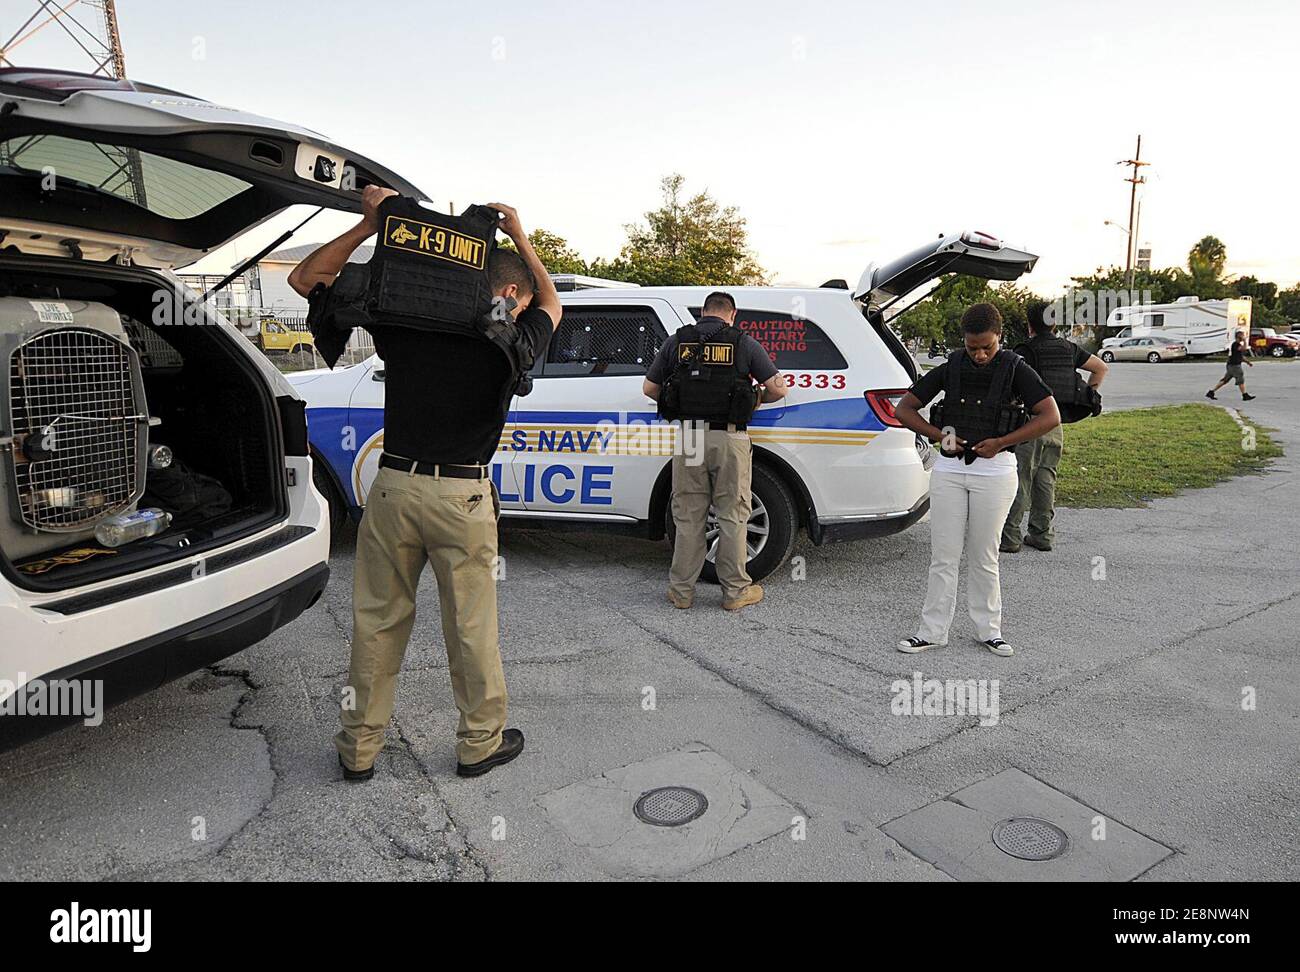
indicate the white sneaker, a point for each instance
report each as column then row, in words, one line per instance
column 914, row 645
column 998, row 647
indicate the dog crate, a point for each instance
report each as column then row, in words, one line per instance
column 73, row 423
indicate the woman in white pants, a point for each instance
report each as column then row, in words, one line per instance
column 974, row 481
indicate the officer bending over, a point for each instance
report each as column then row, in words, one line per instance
column 705, row 374
column 446, row 399
column 973, row 481
column 1058, row 362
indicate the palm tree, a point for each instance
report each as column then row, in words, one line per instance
column 1205, row 261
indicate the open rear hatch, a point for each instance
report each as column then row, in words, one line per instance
column 130, row 169
column 971, row 253
column 105, row 408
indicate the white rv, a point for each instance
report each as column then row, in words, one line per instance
column 1202, row 326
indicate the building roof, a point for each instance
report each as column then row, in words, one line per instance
column 296, row 254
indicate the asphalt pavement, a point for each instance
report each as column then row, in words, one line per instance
column 1154, row 697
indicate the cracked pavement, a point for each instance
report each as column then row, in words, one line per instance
column 1125, row 694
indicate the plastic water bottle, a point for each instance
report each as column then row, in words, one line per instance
column 125, row 527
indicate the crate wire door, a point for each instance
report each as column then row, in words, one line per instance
column 71, row 390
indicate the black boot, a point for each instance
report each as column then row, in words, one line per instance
column 512, row 744
column 356, row 776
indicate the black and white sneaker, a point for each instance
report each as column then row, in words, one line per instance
column 998, row 647
column 913, row 645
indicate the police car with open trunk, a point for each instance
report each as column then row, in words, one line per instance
column 585, row 448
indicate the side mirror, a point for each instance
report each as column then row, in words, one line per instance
column 377, row 375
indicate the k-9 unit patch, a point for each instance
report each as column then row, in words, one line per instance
column 435, row 241
column 711, row 354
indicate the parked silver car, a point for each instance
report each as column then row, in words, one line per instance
column 1151, row 349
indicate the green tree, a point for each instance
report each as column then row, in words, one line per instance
column 1262, row 292
column 685, row 242
column 1288, row 304
column 1205, row 261
column 1263, row 295
column 554, row 252
column 922, row 323
column 939, row 315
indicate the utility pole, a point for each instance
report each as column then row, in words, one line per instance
column 1136, row 179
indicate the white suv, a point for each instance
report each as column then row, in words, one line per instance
column 110, row 366
column 586, row 450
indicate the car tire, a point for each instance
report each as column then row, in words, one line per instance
column 1107, row 357
column 1277, row 351
column 773, row 508
column 338, row 511
column 1153, row 358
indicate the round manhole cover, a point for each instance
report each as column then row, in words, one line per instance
column 1030, row 839
column 670, row 806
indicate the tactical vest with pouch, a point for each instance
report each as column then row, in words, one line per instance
column 1075, row 398
column 428, row 272
column 992, row 414
column 709, row 382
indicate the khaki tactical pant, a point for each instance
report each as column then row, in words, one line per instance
column 1036, row 462
column 450, row 523
column 722, row 480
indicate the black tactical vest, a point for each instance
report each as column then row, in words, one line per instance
column 1054, row 358
column 993, row 413
column 709, row 383
column 428, row 272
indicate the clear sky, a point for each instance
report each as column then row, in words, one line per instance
column 843, row 131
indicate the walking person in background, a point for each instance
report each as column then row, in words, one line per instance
column 1236, row 357
column 974, row 479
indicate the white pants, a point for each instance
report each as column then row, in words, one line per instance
column 965, row 511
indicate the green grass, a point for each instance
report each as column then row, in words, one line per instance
column 1123, row 459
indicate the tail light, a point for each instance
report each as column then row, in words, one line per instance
column 883, row 404
column 985, row 240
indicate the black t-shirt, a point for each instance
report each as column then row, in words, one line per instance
column 1237, row 354
column 445, row 396
column 751, row 358
column 975, row 382
column 1029, row 351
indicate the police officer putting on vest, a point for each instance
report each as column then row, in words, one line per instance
column 450, row 372
column 705, row 375
column 992, row 402
column 1058, row 362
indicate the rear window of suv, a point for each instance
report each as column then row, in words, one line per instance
column 167, row 187
column 793, row 343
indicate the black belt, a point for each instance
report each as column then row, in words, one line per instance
column 719, row 426
column 436, row 469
